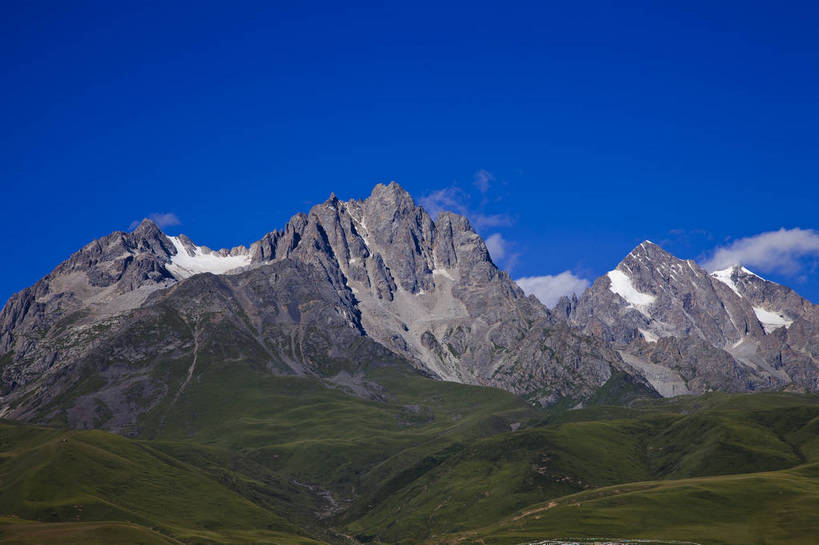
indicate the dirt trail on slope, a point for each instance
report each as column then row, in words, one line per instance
column 538, row 510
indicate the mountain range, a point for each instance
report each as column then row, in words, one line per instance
column 368, row 375
column 116, row 333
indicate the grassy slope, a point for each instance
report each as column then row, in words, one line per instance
column 775, row 508
column 50, row 475
column 318, row 434
column 737, row 437
column 245, row 456
column 494, row 477
column 22, row 532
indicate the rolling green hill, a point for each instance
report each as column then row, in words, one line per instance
column 249, row 457
column 244, row 457
column 90, row 476
column 772, row 508
column 587, row 449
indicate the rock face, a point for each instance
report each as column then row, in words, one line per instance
column 283, row 317
column 691, row 331
column 429, row 291
column 375, row 275
column 107, row 276
column 105, row 279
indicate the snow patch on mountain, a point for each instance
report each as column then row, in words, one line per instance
column 771, row 320
column 621, row 285
column 746, row 271
column 202, row 260
column 724, row 276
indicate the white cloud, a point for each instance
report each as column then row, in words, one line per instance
column 463, row 202
column 167, row 219
column 550, row 288
column 497, row 246
column 492, row 220
column 161, row 219
column 772, row 251
column 450, row 199
column 455, row 199
column 482, row 180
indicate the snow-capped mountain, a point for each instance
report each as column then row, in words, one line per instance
column 380, row 268
column 374, row 280
column 691, row 331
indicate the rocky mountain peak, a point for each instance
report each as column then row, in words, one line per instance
column 456, row 223
column 107, row 276
column 146, row 237
column 391, row 197
column 647, row 249
column 426, row 289
column 146, row 227
column 649, row 258
column 732, row 315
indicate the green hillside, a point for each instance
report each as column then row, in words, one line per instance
column 774, row 508
column 244, row 457
column 585, row 450
column 82, row 476
column 249, row 457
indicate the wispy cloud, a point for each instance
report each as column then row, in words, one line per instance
column 161, row 219
column 781, row 251
column 502, row 251
column 549, row 289
column 483, row 178
column 482, row 221
column 477, row 207
column 448, row 199
column 455, row 199
column 496, row 245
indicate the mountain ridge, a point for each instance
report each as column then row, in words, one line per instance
column 109, row 318
column 426, row 291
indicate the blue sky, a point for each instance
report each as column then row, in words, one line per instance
column 568, row 134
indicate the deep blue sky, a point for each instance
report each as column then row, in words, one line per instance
column 601, row 124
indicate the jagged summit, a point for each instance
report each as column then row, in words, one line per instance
column 426, row 289
column 146, row 226
column 647, row 248
column 648, row 255
column 394, row 196
column 723, row 330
